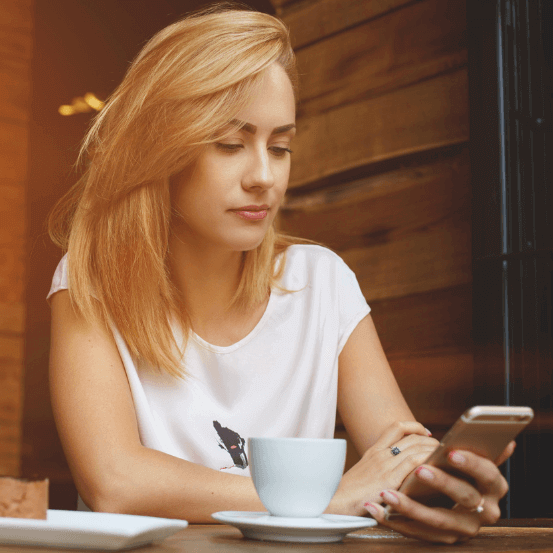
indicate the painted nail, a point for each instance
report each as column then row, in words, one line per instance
column 424, row 473
column 456, row 458
column 371, row 508
column 389, row 497
column 428, row 432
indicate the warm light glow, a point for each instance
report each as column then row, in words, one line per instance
column 82, row 105
column 66, row 110
column 93, row 102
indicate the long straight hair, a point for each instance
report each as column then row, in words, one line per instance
column 182, row 89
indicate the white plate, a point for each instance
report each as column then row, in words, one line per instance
column 87, row 530
column 262, row 526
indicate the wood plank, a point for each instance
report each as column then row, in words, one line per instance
column 10, row 392
column 17, row 14
column 15, row 92
column 426, row 323
column 12, row 274
column 438, row 387
column 310, row 21
column 12, row 216
column 381, row 208
column 42, row 450
column 11, row 349
column 404, row 47
column 9, row 463
column 12, row 318
column 280, row 5
column 417, row 118
column 10, row 433
column 428, row 259
column 16, row 25
column 13, row 150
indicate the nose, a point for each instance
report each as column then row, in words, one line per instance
column 259, row 173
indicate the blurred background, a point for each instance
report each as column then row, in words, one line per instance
column 448, row 231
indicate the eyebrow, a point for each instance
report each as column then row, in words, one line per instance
column 252, row 129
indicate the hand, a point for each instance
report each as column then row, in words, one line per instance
column 379, row 469
column 463, row 521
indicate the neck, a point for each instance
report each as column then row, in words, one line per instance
column 206, row 277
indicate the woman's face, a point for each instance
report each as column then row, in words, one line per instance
column 229, row 197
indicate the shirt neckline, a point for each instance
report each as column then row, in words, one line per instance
column 252, row 334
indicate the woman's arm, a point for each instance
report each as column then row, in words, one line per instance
column 370, row 402
column 369, row 399
column 95, row 417
column 376, row 417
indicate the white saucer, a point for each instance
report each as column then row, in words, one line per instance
column 262, row 526
column 87, row 530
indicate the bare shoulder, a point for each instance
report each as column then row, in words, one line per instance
column 91, row 399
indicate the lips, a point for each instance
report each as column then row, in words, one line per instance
column 252, row 212
column 263, row 207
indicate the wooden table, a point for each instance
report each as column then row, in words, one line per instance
column 206, row 538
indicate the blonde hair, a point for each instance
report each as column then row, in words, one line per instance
column 182, row 89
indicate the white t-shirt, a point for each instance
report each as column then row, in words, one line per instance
column 280, row 380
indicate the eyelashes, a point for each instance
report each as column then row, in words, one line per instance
column 277, row 151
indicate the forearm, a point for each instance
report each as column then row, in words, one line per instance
column 152, row 483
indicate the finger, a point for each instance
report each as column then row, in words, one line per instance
column 486, row 475
column 410, row 460
column 413, row 444
column 460, row 491
column 398, row 430
column 403, row 525
column 418, row 521
column 416, row 440
column 508, row 451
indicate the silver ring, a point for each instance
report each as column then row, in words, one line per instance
column 480, row 508
column 395, row 450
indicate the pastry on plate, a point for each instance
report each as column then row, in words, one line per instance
column 23, row 498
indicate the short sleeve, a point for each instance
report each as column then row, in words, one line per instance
column 352, row 303
column 60, row 280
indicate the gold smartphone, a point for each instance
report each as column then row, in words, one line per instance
column 485, row 430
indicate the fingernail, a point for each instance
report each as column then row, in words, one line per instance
column 424, row 473
column 428, row 432
column 389, row 497
column 456, row 458
column 371, row 508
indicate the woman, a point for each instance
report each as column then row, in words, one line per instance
column 190, row 324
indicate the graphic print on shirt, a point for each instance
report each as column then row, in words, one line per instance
column 233, row 444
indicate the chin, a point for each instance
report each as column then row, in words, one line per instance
column 247, row 245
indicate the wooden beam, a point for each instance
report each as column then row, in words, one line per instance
column 404, row 47
column 310, row 21
column 15, row 92
column 382, row 208
column 438, row 387
column 16, row 29
column 12, row 214
column 426, row 323
column 425, row 116
column 426, row 260
column 11, row 349
column 12, row 317
column 10, row 392
column 13, row 150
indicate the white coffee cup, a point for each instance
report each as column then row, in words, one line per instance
column 296, row 477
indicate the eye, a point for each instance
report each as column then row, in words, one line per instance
column 278, row 151
column 228, row 148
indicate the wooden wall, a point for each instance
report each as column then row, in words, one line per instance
column 381, row 175
column 16, row 26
